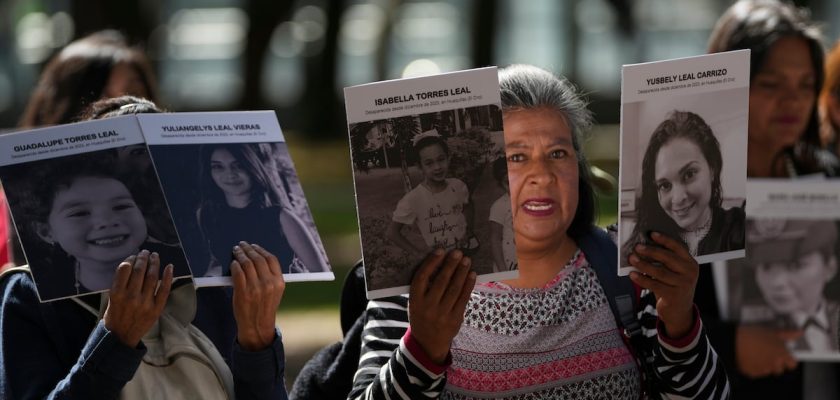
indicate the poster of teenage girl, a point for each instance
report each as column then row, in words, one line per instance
column 239, row 191
column 80, row 216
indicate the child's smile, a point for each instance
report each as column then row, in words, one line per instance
column 95, row 220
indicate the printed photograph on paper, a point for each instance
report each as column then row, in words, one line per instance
column 788, row 280
column 683, row 154
column 83, row 197
column 228, row 177
column 430, row 172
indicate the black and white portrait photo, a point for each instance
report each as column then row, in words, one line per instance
column 80, row 216
column 427, row 181
column 683, row 173
column 789, row 281
column 224, row 193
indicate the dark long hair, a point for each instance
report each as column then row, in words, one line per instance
column 76, row 77
column 257, row 159
column 526, row 87
column 757, row 25
column 683, row 125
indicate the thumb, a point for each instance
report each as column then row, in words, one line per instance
column 788, row 334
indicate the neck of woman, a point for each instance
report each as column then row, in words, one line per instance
column 238, row 200
column 693, row 237
column 540, row 262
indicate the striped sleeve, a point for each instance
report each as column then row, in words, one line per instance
column 685, row 368
column 390, row 365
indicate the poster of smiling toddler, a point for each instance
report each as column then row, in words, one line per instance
column 683, row 155
column 82, row 201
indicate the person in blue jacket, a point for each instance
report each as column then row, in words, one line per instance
column 60, row 349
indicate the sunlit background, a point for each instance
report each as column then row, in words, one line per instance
column 295, row 57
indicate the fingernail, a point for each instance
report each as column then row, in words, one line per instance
column 633, row 259
column 256, row 246
column 242, row 243
column 237, row 248
column 155, row 254
column 641, row 247
column 634, row 275
column 655, row 234
column 466, row 261
column 144, row 252
column 438, row 251
column 456, row 254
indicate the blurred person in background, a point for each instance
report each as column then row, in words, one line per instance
column 786, row 72
column 97, row 66
column 829, row 101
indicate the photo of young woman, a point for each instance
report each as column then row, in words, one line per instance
column 233, row 192
column 683, row 172
column 240, row 182
column 681, row 190
column 78, row 218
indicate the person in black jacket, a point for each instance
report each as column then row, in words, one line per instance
column 786, row 72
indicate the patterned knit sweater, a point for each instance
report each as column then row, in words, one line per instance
column 559, row 342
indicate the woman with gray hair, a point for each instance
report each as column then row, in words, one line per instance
column 552, row 332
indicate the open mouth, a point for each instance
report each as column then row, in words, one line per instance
column 109, row 241
column 538, row 207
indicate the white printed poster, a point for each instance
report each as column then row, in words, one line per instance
column 789, row 279
column 228, row 177
column 83, row 197
column 430, row 172
column 683, row 154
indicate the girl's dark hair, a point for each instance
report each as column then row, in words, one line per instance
column 678, row 124
column 259, row 163
column 526, row 87
column 33, row 191
column 429, row 141
column 757, row 25
column 500, row 170
column 77, row 76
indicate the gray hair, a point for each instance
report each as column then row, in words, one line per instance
column 526, row 87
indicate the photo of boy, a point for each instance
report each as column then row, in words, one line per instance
column 439, row 205
column 501, row 218
column 792, row 263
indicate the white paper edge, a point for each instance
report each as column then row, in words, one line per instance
column 722, row 256
column 211, row 281
column 816, row 356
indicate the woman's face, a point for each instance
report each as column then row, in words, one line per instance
column 229, row 174
column 782, row 95
column 683, row 182
column 543, row 174
column 795, row 286
column 95, row 219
